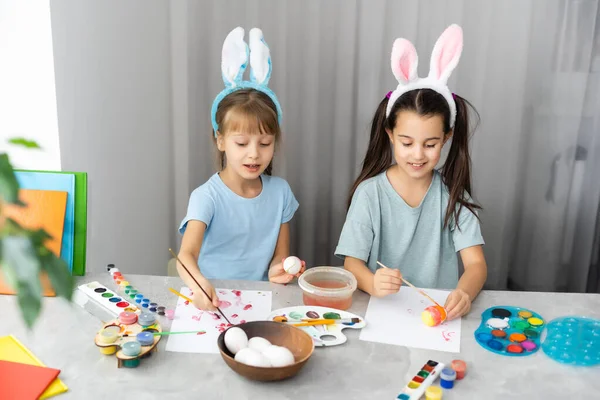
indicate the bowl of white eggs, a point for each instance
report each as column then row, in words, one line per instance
column 265, row 350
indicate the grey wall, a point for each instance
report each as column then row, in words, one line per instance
column 113, row 86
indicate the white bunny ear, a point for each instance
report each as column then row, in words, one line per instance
column 234, row 57
column 260, row 58
column 404, row 61
column 446, row 53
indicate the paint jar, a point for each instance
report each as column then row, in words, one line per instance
column 327, row 287
column 146, row 319
column 433, row 393
column 132, row 348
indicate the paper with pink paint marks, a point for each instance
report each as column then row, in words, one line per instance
column 396, row 319
column 238, row 305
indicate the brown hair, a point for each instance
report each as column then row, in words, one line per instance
column 456, row 172
column 247, row 110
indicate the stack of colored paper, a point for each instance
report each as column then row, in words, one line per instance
column 23, row 376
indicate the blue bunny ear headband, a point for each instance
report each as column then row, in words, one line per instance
column 234, row 61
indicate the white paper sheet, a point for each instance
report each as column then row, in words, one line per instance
column 396, row 319
column 237, row 305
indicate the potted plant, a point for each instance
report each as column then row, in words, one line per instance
column 23, row 256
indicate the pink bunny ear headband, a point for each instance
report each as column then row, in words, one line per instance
column 444, row 58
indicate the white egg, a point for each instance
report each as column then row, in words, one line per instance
column 278, row 356
column 235, row 339
column 252, row 357
column 292, row 265
column 258, row 343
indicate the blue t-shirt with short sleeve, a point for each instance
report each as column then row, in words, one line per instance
column 241, row 233
column 381, row 226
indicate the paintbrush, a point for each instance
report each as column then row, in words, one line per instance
column 413, row 286
column 315, row 322
column 335, row 321
column 166, row 333
column 192, row 276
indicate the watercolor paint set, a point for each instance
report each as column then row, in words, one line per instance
column 422, row 380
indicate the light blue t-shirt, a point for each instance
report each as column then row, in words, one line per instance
column 381, row 226
column 241, row 233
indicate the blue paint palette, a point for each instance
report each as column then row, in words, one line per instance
column 510, row 331
column 573, row 341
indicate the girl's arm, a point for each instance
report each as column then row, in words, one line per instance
column 188, row 254
column 379, row 284
column 282, row 250
column 470, row 283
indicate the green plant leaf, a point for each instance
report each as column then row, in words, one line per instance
column 58, row 272
column 29, row 304
column 30, row 144
column 22, row 268
column 9, row 187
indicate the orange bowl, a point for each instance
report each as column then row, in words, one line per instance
column 296, row 340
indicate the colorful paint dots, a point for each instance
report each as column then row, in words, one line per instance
column 532, row 334
column 100, row 290
column 525, row 314
column 529, row 345
column 296, row 315
column 484, row 337
column 107, row 294
column 331, row 315
column 501, row 313
column 498, row 333
column 122, row 304
column 521, row 325
column 514, row 348
column 497, row 323
column 312, row 314
column 114, row 299
column 535, row 321
column 517, row 337
column 495, row 345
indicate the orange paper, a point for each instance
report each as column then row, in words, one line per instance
column 44, row 209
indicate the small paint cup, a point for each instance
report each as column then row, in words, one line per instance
column 131, row 348
column 447, row 378
column 145, row 338
column 109, row 334
column 146, row 319
column 170, row 314
column 433, row 393
column 128, row 318
column 460, row 367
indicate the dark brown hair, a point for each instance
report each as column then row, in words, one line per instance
column 456, row 172
column 247, row 110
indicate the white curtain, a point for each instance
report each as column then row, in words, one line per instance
column 531, row 68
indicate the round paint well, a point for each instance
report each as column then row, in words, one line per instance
column 497, row 323
column 498, row 333
column 532, row 334
column 528, row 345
column 517, row 337
column 525, row 314
column 122, row 304
column 535, row 321
column 114, row 299
column 514, row 348
column 495, row 345
column 107, row 294
column 100, row 290
column 501, row 313
column 521, row 325
column 484, row 337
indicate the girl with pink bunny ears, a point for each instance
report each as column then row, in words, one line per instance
column 408, row 215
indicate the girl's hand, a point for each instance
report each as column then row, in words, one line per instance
column 201, row 301
column 457, row 304
column 386, row 281
column 278, row 275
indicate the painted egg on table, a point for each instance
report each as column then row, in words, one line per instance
column 292, row 265
column 236, row 340
column 252, row 357
column 278, row 356
column 258, row 343
column 433, row 316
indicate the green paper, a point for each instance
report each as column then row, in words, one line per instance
column 80, row 228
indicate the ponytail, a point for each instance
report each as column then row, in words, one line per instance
column 379, row 153
column 456, row 172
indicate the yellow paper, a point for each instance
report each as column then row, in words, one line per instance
column 13, row 350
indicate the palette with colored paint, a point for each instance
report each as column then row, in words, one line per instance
column 573, row 341
column 323, row 335
column 107, row 299
column 510, row 331
column 124, row 334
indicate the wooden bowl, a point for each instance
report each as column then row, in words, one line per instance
column 296, row 340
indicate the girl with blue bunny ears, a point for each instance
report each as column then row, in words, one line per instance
column 237, row 223
column 407, row 215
